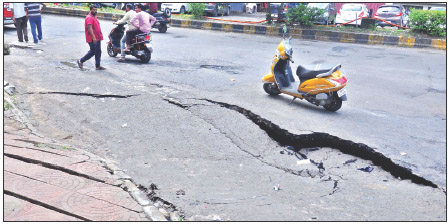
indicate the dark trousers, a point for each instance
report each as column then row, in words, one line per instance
column 95, row 49
column 22, row 31
column 131, row 34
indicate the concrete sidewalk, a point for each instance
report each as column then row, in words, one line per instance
column 47, row 181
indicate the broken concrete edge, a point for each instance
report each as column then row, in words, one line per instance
column 139, row 196
column 309, row 34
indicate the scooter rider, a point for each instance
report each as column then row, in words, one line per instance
column 143, row 21
column 126, row 19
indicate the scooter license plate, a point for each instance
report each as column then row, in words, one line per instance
column 342, row 92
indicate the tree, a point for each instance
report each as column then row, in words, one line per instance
column 279, row 13
column 268, row 13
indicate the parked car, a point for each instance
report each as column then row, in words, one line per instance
column 113, row 5
column 7, row 14
column 349, row 12
column 395, row 14
column 438, row 8
column 329, row 15
column 217, row 8
column 175, row 7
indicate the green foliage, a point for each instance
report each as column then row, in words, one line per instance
column 6, row 106
column 428, row 21
column 304, row 15
column 197, row 9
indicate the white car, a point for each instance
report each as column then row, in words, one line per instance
column 175, row 7
column 251, row 7
column 350, row 12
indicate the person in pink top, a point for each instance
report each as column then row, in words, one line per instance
column 143, row 21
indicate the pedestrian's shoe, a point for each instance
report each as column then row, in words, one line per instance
column 100, row 68
column 122, row 59
column 79, row 64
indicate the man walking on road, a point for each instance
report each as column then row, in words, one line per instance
column 33, row 12
column 93, row 38
column 143, row 21
column 20, row 19
column 126, row 19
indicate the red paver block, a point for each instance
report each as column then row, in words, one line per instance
column 20, row 210
column 22, row 134
column 112, row 194
column 91, row 168
column 18, row 142
column 70, row 201
column 41, row 156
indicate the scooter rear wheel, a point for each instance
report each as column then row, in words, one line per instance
column 146, row 57
column 110, row 51
column 163, row 28
column 271, row 89
column 334, row 103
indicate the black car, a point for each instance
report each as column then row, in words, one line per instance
column 217, row 8
column 395, row 14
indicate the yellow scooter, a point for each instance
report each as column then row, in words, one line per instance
column 319, row 84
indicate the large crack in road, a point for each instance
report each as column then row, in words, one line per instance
column 317, row 139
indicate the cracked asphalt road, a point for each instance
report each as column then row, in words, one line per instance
column 159, row 122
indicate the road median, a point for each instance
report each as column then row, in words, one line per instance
column 309, row 34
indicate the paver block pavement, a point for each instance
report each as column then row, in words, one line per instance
column 19, row 210
column 87, row 207
column 102, row 191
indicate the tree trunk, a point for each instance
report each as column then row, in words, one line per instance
column 268, row 13
column 279, row 14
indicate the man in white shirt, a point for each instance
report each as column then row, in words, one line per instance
column 126, row 19
column 21, row 19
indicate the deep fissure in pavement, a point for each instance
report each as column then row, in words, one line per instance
column 318, row 139
column 86, row 94
column 47, row 206
column 302, row 173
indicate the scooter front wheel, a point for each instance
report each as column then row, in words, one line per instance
column 271, row 88
column 110, row 50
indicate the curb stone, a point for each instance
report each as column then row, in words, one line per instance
column 154, row 213
column 312, row 34
column 138, row 195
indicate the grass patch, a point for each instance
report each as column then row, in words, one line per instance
column 6, row 106
column 181, row 16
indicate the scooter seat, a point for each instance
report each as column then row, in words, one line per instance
column 311, row 71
